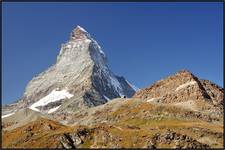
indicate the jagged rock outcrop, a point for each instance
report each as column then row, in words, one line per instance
column 215, row 92
column 73, row 140
column 179, row 140
column 80, row 78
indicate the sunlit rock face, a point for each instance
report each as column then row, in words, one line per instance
column 80, row 71
column 184, row 88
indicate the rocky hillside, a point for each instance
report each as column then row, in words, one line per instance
column 123, row 123
column 184, row 88
column 79, row 79
column 192, row 120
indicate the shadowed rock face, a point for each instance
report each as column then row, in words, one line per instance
column 81, row 69
column 215, row 92
column 179, row 140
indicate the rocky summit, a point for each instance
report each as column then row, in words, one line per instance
column 185, row 89
column 79, row 103
column 79, row 79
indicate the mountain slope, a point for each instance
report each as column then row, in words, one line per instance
column 139, row 122
column 130, row 123
column 185, row 89
column 79, row 79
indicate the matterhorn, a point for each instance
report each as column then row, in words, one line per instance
column 79, row 79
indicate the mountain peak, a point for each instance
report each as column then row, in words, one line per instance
column 82, row 75
column 184, row 71
column 175, row 88
column 79, row 33
column 80, row 28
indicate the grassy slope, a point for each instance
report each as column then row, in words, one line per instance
column 132, row 124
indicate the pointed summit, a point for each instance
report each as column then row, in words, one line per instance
column 80, row 28
column 79, row 79
column 79, row 33
column 184, row 72
column 181, row 86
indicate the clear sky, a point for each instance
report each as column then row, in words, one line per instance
column 144, row 42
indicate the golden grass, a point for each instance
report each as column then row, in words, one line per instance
column 132, row 114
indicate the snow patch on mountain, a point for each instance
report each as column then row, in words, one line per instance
column 185, row 85
column 53, row 109
column 52, row 97
column 82, row 29
column 108, row 99
column 4, row 116
column 134, row 87
column 154, row 99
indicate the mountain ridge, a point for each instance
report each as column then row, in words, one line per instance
column 184, row 88
column 81, row 69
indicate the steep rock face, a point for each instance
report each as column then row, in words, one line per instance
column 80, row 78
column 215, row 92
column 183, row 87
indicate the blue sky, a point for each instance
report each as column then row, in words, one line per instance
column 144, row 42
